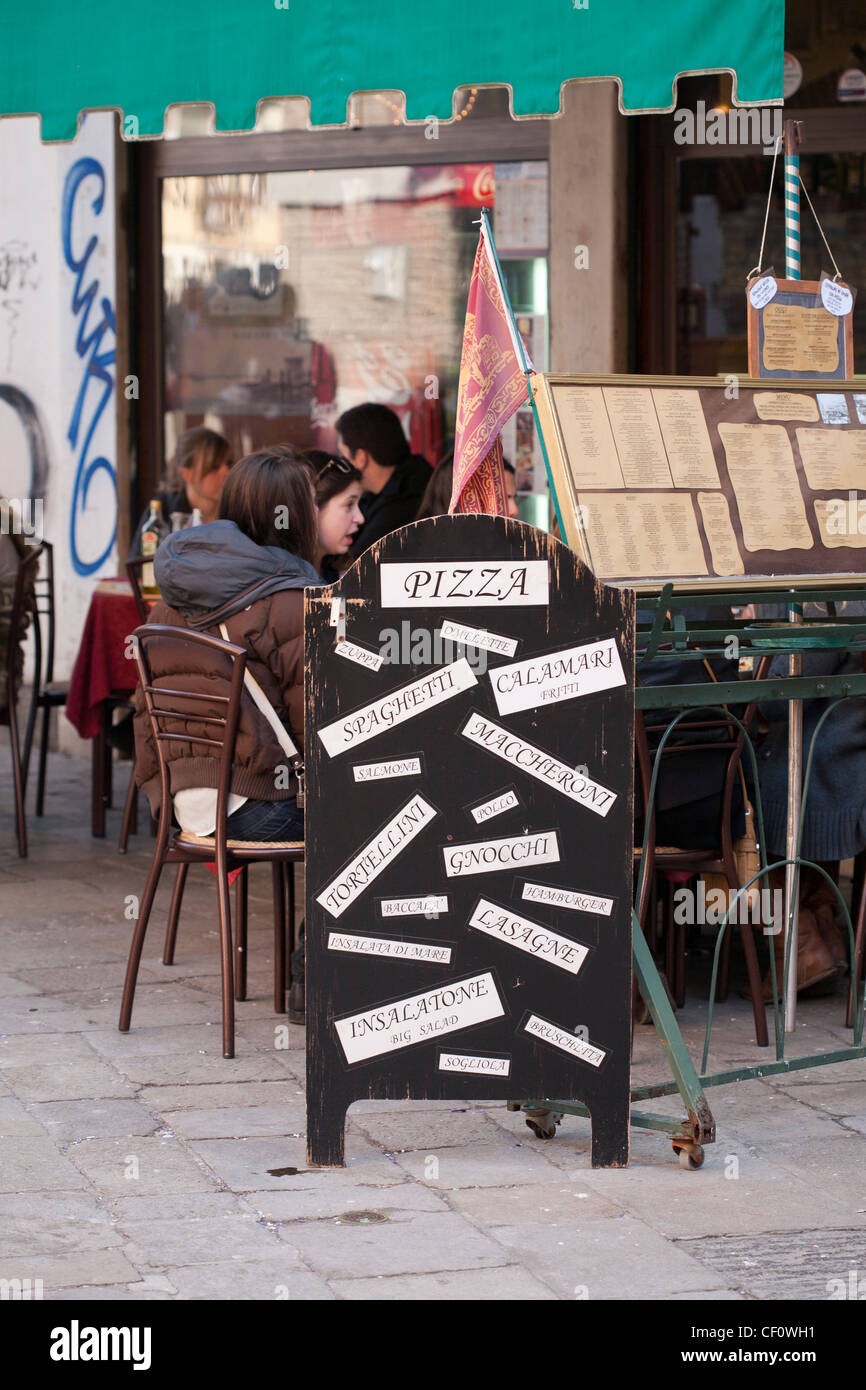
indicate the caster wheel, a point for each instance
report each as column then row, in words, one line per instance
column 543, row 1123
column 690, row 1158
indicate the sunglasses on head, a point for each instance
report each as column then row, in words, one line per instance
column 341, row 465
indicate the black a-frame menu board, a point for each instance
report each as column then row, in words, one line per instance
column 469, row 725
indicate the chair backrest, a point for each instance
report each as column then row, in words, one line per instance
column 44, row 627
column 16, row 623
column 177, row 715
column 731, row 741
column 134, row 568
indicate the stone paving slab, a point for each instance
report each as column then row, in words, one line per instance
column 139, row 1164
column 157, row 1244
column 271, row 1280
column 478, row 1165
column 48, row 1223
column 165, row 1099
column 330, row 1199
column 620, row 1258
column 30, row 1163
column 244, row 1164
column 411, row 1244
column 237, row 1121
column 505, row 1283
column 68, row 1120
column 62, row 1080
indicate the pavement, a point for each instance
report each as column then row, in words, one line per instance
column 144, row 1166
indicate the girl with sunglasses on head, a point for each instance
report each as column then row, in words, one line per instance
column 338, row 488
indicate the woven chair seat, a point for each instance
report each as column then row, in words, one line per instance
column 208, row 842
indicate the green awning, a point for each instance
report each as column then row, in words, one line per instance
column 60, row 57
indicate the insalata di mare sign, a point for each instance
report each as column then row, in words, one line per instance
column 469, row 830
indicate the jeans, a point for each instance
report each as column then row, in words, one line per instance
column 266, row 820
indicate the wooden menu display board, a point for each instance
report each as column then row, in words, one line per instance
column 710, row 481
column 793, row 336
column 469, row 829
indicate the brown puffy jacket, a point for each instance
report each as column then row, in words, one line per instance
column 272, row 631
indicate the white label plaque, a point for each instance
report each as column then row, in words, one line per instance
column 362, row 655
column 534, row 761
column 420, row 1018
column 395, row 767
column 404, row 703
column 555, row 676
column 528, row 936
column 567, row 897
column 414, row 907
column 494, row 807
column 476, row 1064
column 566, row 1042
column 382, row 946
column 486, row 856
column 400, row 831
column 464, row 584
column 478, row 637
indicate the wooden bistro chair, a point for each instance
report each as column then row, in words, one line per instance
column 717, row 858
column 204, row 719
column 129, row 823
column 23, row 606
column 51, row 694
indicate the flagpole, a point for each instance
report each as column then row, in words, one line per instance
column 526, row 367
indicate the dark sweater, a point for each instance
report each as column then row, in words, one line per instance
column 396, row 505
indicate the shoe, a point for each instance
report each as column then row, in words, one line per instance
column 297, row 1003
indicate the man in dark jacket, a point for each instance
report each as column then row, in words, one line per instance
column 372, row 439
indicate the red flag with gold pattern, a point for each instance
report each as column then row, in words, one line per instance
column 492, row 385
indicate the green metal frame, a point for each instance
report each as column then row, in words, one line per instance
column 671, row 636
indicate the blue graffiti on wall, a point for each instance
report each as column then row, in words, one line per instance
column 97, row 361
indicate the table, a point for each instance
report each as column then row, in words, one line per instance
column 103, row 675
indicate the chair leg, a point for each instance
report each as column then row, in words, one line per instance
column 241, row 892
column 138, row 942
column 859, row 960
column 43, row 759
column 129, row 812
column 279, row 936
column 228, row 1003
column 755, row 987
column 723, row 980
column 291, row 932
column 174, row 915
column 17, row 778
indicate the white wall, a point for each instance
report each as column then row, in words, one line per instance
column 57, row 347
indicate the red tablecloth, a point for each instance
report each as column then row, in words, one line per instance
column 102, row 665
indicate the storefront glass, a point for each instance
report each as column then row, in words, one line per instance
column 720, row 218
column 291, row 296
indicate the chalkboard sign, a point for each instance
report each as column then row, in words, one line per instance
column 469, row 724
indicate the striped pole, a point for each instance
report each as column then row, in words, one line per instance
column 792, row 202
column 791, row 142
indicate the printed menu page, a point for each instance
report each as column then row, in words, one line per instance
column 833, row 458
column 761, row 466
column 720, row 533
column 589, row 444
column 638, row 438
column 800, row 339
column 785, row 405
column 839, row 521
column 633, row 534
column 686, row 437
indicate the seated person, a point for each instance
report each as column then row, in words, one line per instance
column 195, row 480
column 834, row 827
column 247, row 572
column 437, row 495
column 338, row 492
column 372, row 439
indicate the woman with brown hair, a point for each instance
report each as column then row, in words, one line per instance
column 195, row 480
column 242, row 578
column 338, row 487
